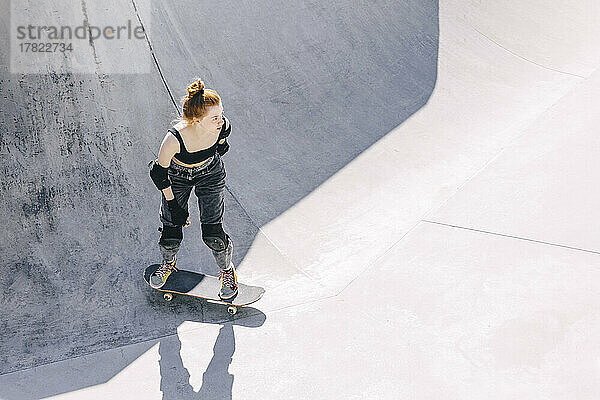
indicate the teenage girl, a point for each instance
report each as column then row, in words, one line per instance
column 190, row 158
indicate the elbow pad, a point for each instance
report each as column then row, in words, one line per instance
column 225, row 132
column 223, row 148
column 160, row 176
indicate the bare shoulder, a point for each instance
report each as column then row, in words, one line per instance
column 170, row 140
column 168, row 148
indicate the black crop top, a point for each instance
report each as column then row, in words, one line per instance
column 198, row 156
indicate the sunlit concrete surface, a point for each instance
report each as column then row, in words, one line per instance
column 446, row 248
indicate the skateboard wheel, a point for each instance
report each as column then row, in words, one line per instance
column 232, row 310
column 168, row 296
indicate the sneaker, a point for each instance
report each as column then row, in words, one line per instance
column 159, row 277
column 229, row 286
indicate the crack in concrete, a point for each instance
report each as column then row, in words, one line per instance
column 513, row 237
column 154, row 57
column 86, row 22
column 525, row 58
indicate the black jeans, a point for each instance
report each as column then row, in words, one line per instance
column 208, row 182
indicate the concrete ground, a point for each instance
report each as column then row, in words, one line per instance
column 414, row 183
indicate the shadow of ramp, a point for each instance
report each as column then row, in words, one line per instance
column 95, row 369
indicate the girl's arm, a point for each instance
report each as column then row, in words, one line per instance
column 168, row 148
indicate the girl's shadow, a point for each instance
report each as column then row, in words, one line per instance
column 217, row 382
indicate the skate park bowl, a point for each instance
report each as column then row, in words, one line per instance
column 412, row 182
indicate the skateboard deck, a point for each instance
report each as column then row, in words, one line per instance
column 205, row 287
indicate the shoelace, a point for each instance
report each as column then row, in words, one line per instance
column 228, row 278
column 164, row 270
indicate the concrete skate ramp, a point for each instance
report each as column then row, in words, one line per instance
column 308, row 87
column 407, row 285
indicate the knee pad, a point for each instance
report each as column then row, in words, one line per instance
column 215, row 237
column 171, row 236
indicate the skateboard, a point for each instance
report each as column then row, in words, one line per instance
column 205, row 287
